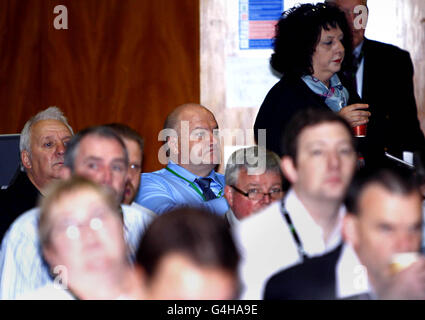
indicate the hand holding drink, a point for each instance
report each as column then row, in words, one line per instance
column 357, row 117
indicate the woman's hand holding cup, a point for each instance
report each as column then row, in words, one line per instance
column 357, row 117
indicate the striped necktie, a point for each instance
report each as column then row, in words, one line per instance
column 204, row 183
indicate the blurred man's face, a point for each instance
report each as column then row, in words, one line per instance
column 48, row 142
column 386, row 224
column 325, row 163
column 179, row 278
column 134, row 170
column 102, row 160
column 348, row 6
column 241, row 205
column 86, row 236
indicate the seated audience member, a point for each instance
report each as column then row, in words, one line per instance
column 319, row 161
column 253, row 181
column 42, row 146
column 189, row 178
column 134, row 144
column 81, row 234
column 380, row 258
column 189, row 254
column 98, row 154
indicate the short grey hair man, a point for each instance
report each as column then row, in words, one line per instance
column 250, row 159
column 43, row 142
column 253, row 180
column 51, row 113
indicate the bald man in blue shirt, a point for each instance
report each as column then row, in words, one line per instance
column 189, row 179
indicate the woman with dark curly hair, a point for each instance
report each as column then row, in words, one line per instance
column 309, row 51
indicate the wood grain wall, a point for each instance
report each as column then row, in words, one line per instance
column 130, row 61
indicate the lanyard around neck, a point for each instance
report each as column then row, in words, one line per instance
column 294, row 232
column 192, row 184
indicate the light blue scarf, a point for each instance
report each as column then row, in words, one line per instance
column 335, row 97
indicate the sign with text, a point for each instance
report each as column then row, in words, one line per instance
column 257, row 20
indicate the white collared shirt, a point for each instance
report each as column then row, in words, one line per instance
column 351, row 276
column 360, row 69
column 267, row 245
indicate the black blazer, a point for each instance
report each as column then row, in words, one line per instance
column 19, row 197
column 388, row 89
column 312, row 280
column 282, row 102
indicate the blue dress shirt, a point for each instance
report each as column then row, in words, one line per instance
column 161, row 191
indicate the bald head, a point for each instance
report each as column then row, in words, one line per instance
column 195, row 146
column 183, row 113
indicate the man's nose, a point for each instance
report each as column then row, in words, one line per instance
column 106, row 177
column 267, row 198
column 334, row 160
column 60, row 148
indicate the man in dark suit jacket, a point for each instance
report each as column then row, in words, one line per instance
column 42, row 146
column 383, row 220
column 383, row 76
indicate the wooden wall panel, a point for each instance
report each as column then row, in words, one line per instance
column 19, row 63
column 130, row 61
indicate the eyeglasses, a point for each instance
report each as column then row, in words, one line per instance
column 256, row 194
column 73, row 229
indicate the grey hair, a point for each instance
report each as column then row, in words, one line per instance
column 51, row 113
column 246, row 158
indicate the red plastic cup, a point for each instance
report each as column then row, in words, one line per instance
column 360, row 131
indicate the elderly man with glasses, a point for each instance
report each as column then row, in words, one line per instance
column 253, row 181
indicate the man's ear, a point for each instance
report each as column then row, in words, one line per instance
column 26, row 159
column 228, row 194
column 288, row 168
column 173, row 144
column 350, row 229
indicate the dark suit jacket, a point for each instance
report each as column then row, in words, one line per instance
column 388, row 89
column 312, row 280
column 19, row 197
column 282, row 102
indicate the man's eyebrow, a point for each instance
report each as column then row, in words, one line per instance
column 118, row 160
column 92, row 158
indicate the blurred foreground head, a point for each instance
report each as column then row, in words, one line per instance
column 81, row 232
column 189, row 254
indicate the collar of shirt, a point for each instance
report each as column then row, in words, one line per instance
column 215, row 186
column 351, row 276
column 358, row 49
column 310, row 233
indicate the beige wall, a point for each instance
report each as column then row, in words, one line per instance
column 412, row 24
